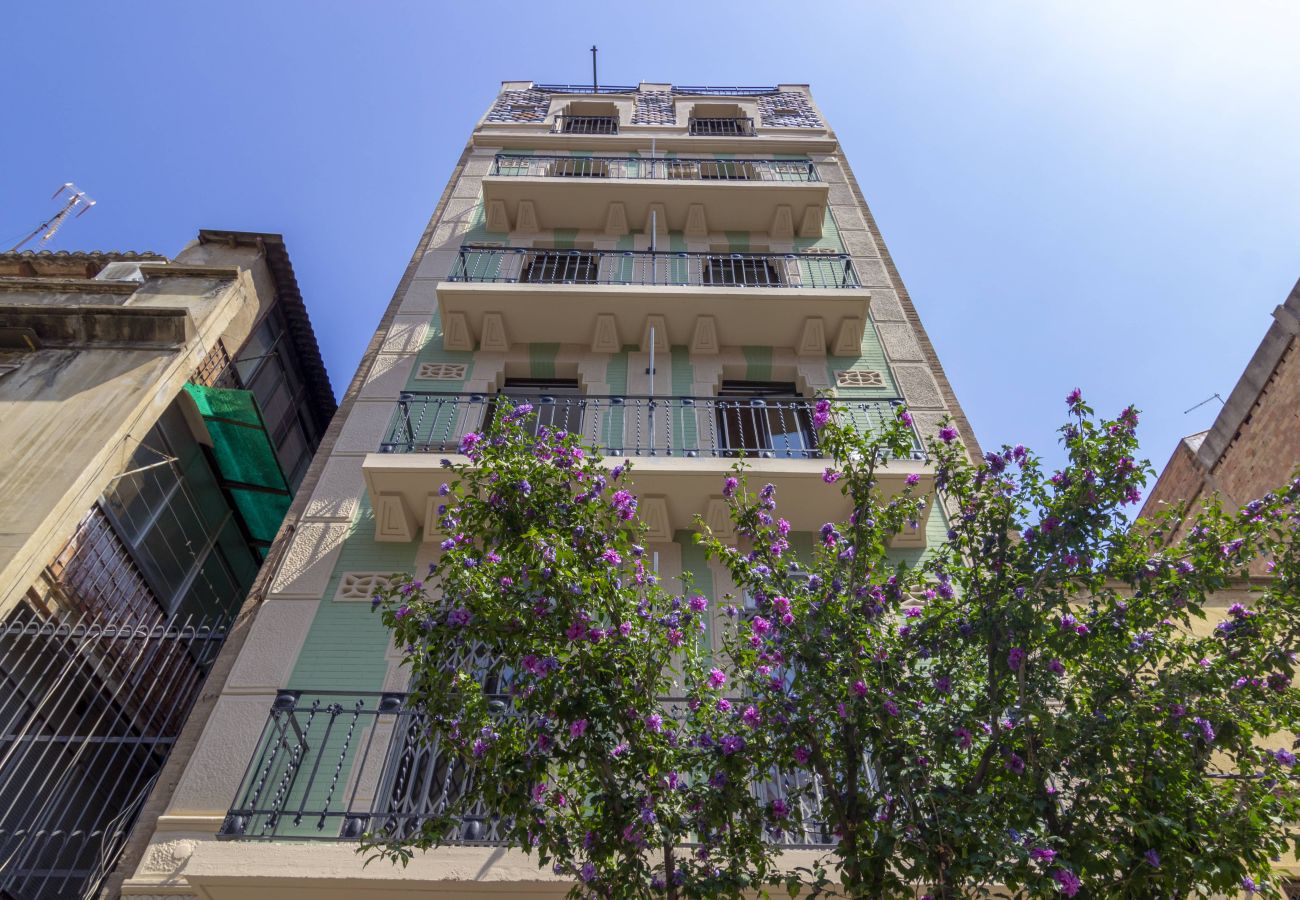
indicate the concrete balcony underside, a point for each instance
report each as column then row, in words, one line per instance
column 494, row 316
column 403, row 490
column 619, row 205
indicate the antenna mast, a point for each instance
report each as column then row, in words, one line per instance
column 595, row 85
column 75, row 199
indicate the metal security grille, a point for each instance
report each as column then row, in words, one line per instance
column 88, row 715
column 95, row 683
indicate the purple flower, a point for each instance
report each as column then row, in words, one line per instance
column 1016, row 659
column 890, row 707
column 830, row 476
column 779, row 809
column 750, row 717
column 859, row 687
column 963, row 736
column 913, row 479
column 1015, row 764
column 655, row 722
column 469, row 442
column 729, row 487
column 821, row 414
column 588, row 873
column 1248, row 883
column 1207, row 729
column 1074, row 398
column 1042, row 854
column 947, row 434
column 717, row 678
column 802, row 755
column 1285, row 757
column 1152, row 858
column 610, row 555
column 904, row 416
column 732, row 744
column 521, row 410
column 578, row 728
column 760, row 626
column 480, row 748
column 1068, row 881
column 444, row 490
column 460, row 617
column 1056, row 667
column 697, row 603
column 402, row 612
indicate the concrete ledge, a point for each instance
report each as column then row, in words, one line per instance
column 102, row 325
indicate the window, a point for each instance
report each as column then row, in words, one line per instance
column 764, row 419
column 730, row 126
column 728, row 170
column 682, row 170
column 557, row 403
column 560, row 267
column 588, row 124
column 740, row 270
column 580, row 167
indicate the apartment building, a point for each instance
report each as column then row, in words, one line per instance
column 672, row 272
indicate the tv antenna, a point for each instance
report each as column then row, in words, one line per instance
column 1203, row 402
column 74, row 200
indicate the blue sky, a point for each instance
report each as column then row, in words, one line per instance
column 1101, row 194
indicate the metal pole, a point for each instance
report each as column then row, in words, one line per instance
column 595, row 85
column 652, row 390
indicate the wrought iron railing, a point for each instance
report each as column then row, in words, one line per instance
column 719, row 427
column 333, row 766
column 585, row 125
column 587, row 88
column 726, row 126
column 761, row 270
column 659, row 168
column 725, row 91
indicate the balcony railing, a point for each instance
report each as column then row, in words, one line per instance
column 585, row 125
column 587, row 88
column 764, row 270
column 676, row 169
column 336, row 766
column 729, row 126
column 690, row 427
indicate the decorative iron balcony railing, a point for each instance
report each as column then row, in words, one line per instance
column 720, row 427
column 675, row 169
column 333, row 766
column 585, row 125
column 763, row 270
column 729, row 126
column 725, row 91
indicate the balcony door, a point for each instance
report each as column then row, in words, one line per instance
column 764, row 419
column 559, row 267
column 740, row 270
column 557, row 403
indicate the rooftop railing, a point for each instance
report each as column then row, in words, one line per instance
column 585, row 125
column 659, row 168
column 332, row 766
column 730, row 126
column 587, row 88
column 759, row 270
column 726, row 427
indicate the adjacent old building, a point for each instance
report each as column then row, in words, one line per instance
column 1253, row 446
column 156, row 417
column 673, row 272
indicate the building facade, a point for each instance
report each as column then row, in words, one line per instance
column 1253, row 447
column 673, row 272
column 158, row 415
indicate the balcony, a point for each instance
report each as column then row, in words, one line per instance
column 725, row 126
column 615, row 194
column 495, row 295
column 332, row 767
column 681, row 446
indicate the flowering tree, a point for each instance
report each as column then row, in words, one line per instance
column 568, row 683
column 1032, row 706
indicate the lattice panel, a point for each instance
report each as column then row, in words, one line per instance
column 361, row 585
column 860, row 378
column 441, row 371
